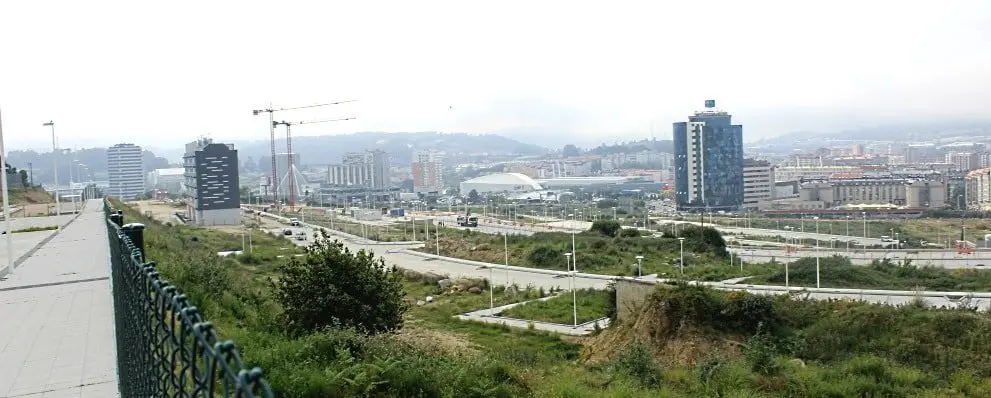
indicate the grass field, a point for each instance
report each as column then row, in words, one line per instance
column 592, row 305
column 934, row 230
column 688, row 343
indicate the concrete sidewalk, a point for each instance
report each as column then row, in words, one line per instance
column 56, row 317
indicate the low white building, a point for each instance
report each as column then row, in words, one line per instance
column 500, row 183
column 169, row 180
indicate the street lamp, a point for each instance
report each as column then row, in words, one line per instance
column 864, row 213
column 681, row 263
column 574, row 294
column 817, row 263
column 787, row 260
column 639, row 266
column 573, row 247
column 58, row 210
column 848, row 233
column 6, row 206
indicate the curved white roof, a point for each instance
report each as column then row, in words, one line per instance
column 506, row 179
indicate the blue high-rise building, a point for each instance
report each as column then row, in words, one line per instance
column 708, row 161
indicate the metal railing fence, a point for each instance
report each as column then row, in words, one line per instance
column 165, row 348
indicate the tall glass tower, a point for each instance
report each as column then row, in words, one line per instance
column 708, row 164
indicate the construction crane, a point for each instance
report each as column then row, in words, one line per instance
column 271, row 122
column 289, row 175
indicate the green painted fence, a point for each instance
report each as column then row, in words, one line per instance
column 164, row 346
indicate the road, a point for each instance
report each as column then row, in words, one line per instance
column 399, row 255
column 825, row 238
column 945, row 259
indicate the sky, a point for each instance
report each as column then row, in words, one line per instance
column 160, row 74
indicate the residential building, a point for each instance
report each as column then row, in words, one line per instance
column 709, row 161
column 428, row 171
column 211, row 179
column 758, row 183
column 790, row 173
column 125, row 171
column 900, row 192
column 964, row 161
column 977, row 186
column 366, row 169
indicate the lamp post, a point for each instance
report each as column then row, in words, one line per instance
column 787, row 260
column 639, row 266
column 58, row 210
column 864, row 214
column 817, row 263
column 898, row 242
column 574, row 256
column 567, row 259
column 6, row 205
column 681, row 262
column 847, row 233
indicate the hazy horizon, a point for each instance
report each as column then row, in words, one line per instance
column 160, row 76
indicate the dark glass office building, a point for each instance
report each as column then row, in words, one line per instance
column 708, row 161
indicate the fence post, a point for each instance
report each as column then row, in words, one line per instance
column 135, row 232
column 117, row 217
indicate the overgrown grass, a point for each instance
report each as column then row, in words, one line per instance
column 595, row 253
column 36, row 229
column 560, row 309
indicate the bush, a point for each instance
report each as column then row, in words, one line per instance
column 638, row 362
column 629, row 233
column 605, row 227
column 332, row 286
column 546, row 257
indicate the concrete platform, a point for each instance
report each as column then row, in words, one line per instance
column 56, row 317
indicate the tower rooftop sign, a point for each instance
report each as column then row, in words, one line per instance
column 709, row 104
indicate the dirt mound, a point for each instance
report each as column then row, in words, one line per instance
column 441, row 342
column 682, row 343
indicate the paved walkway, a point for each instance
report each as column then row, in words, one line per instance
column 56, row 317
column 491, row 315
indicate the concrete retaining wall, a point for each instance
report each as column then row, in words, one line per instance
column 631, row 296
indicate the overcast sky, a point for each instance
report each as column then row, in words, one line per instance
column 162, row 73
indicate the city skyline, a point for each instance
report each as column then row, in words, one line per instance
column 550, row 75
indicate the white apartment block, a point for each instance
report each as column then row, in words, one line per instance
column 125, row 171
column 758, row 184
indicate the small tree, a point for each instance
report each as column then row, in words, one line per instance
column 333, row 286
column 473, row 197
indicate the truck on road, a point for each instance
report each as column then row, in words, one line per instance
column 467, row 220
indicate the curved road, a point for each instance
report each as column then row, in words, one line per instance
column 399, row 255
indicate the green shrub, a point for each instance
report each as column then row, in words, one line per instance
column 629, row 233
column 638, row 362
column 605, row 227
column 546, row 257
column 332, row 286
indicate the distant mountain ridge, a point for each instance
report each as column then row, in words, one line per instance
column 328, row 149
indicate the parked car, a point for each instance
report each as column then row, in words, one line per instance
column 301, row 235
column 287, row 232
column 294, row 222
